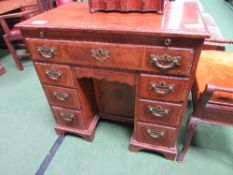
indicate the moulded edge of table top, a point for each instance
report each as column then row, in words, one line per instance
column 179, row 19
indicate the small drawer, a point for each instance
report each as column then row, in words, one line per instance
column 55, row 74
column 163, row 88
column 168, row 60
column 159, row 112
column 62, row 96
column 155, row 134
column 68, row 118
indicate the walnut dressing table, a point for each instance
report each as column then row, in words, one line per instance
column 134, row 68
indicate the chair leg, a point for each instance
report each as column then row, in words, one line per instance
column 2, row 69
column 13, row 53
column 190, row 128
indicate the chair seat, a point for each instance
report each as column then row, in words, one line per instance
column 215, row 67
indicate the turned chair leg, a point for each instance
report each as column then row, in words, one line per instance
column 13, row 53
column 190, row 128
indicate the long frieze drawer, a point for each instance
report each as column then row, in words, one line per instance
column 55, row 74
column 163, row 88
column 173, row 60
column 155, row 134
column 159, row 112
column 86, row 53
column 68, row 117
column 62, row 96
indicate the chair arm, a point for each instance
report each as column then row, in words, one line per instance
column 221, row 89
column 19, row 14
column 208, row 93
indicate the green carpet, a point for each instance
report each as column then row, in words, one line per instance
column 26, row 132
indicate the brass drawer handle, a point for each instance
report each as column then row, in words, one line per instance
column 165, row 61
column 53, row 74
column 157, row 111
column 68, row 116
column 162, row 88
column 100, row 55
column 155, row 133
column 62, row 96
column 46, row 52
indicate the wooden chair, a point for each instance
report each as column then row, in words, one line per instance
column 212, row 93
column 29, row 9
column 213, row 86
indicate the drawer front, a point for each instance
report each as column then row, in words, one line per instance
column 163, row 88
column 168, row 60
column 155, row 134
column 159, row 112
column 62, row 96
column 86, row 53
column 68, row 117
column 55, row 74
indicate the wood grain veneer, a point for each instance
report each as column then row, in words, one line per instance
column 115, row 65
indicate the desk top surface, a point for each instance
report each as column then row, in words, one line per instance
column 179, row 19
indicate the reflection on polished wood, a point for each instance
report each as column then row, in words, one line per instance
column 178, row 20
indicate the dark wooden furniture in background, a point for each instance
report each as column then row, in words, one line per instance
column 135, row 68
column 9, row 5
column 12, row 34
column 127, row 5
column 5, row 7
